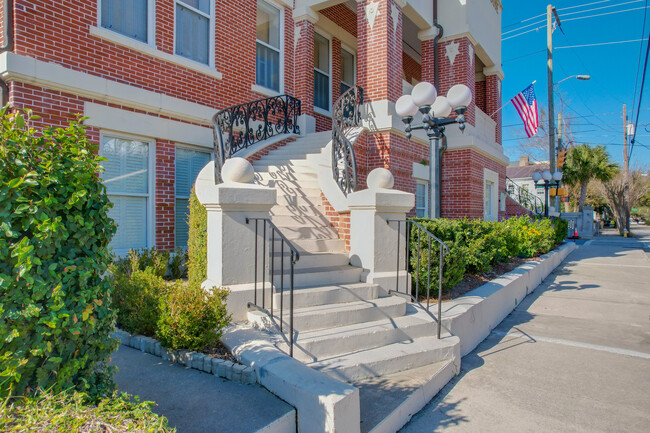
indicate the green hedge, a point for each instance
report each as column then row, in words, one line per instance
column 475, row 246
column 55, row 305
column 197, row 244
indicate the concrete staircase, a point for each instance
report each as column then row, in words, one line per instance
column 348, row 329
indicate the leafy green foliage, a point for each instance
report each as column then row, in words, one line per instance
column 55, row 315
column 137, row 298
column 585, row 163
column 475, row 246
column 191, row 318
column 75, row 412
column 197, row 245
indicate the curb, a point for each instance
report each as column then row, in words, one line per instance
column 198, row 361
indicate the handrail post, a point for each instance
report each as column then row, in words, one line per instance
column 440, row 275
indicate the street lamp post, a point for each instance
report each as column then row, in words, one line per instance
column 435, row 109
column 546, row 176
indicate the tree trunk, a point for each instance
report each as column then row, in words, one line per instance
column 583, row 195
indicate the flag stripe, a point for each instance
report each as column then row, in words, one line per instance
column 526, row 105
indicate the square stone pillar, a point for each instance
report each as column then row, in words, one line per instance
column 304, row 71
column 379, row 49
column 374, row 234
column 231, row 241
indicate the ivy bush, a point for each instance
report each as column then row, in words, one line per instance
column 197, row 244
column 191, row 318
column 475, row 246
column 55, row 306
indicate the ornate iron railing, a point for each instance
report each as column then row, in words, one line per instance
column 524, row 197
column 274, row 247
column 345, row 115
column 240, row 126
column 416, row 237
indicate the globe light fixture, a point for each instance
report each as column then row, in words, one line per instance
column 546, row 177
column 435, row 111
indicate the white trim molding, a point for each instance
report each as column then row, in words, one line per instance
column 23, row 69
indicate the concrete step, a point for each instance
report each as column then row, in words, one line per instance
column 314, row 345
column 299, row 200
column 319, row 245
column 289, row 185
column 318, row 276
column 296, row 211
column 334, row 315
column 316, row 260
column 332, row 294
column 315, row 220
column 388, row 359
column 298, row 151
column 282, row 162
column 388, row 402
column 264, row 177
column 287, row 171
column 306, row 232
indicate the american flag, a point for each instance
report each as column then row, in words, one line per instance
column 526, row 106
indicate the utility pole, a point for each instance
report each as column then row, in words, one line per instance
column 626, row 171
column 550, row 12
column 560, row 134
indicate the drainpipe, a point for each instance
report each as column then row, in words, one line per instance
column 436, row 82
column 8, row 37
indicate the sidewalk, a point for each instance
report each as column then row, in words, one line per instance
column 197, row 402
column 574, row 356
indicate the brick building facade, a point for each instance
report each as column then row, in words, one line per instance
column 150, row 74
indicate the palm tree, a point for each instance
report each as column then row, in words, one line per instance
column 585, row 163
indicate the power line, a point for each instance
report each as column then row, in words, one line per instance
column 600, row 43
column 602, row 7
column 523, row 21
column 606, row 13
column 583, row 5
column 525, row 55
column 636, row 122
column 638, row 64
column 523, row 27
column 523, row 33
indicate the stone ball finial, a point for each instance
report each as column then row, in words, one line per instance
column 380, row 178
column 237, row 170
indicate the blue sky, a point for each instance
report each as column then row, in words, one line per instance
column 595, row 106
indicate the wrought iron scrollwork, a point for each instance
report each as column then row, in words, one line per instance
column 524, row 197
column 345, row 115
column 240, row 126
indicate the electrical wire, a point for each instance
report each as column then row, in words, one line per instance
column 638, row 64
column 523, row 27
column 602, row 7
column 525, row 55
column 599, row 43
column 527, row 19
column 636, row 122
column 583, row 5
column 606, row 13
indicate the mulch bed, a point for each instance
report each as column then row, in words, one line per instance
column 219, row 351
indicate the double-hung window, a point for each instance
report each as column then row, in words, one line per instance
column 127, row 176
column 189, row 163
column 321, row 72
column 193, row 29
column 128, row 17
column 268, row 55
column 421, row 199
column 347, row 70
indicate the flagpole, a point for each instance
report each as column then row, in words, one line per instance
column 509, row 101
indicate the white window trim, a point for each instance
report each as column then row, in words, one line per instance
column 493, row 177
column 318, row 110
column 151, row 23
column 265, row 91
column 211, row 32
column 426, row 197
column 125, row 41
column 151, row 184
column 354, row 64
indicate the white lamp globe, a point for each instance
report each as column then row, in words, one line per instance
column 546, row 175
column 459, row 96
column 557, row 176
column 440, row 107
column 424, row 94
column 537, row 176
column 404, row 107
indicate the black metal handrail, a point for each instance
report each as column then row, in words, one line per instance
column 240, row 126
column 346, row 114
column 272, row 235
column 524, row 197
column 413, row 229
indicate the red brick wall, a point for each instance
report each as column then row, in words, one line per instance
column 61, row 34
column 304, row 66
column 480, row 95
column 493, row 102
column 343, row 17
column 165, row 194
column 461, row 72
column 514, row 209
column 412, row 69
column 340, row 221
column 462, row 186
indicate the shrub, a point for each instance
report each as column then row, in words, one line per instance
column 190, row 317
column 55, row 315
column 139, row 260
column 76, row 413
column 197, row 244
column 177, row 268
column 137, row 298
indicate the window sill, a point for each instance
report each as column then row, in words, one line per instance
column 147, row 49
column 322, row 112
column 264, row 91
